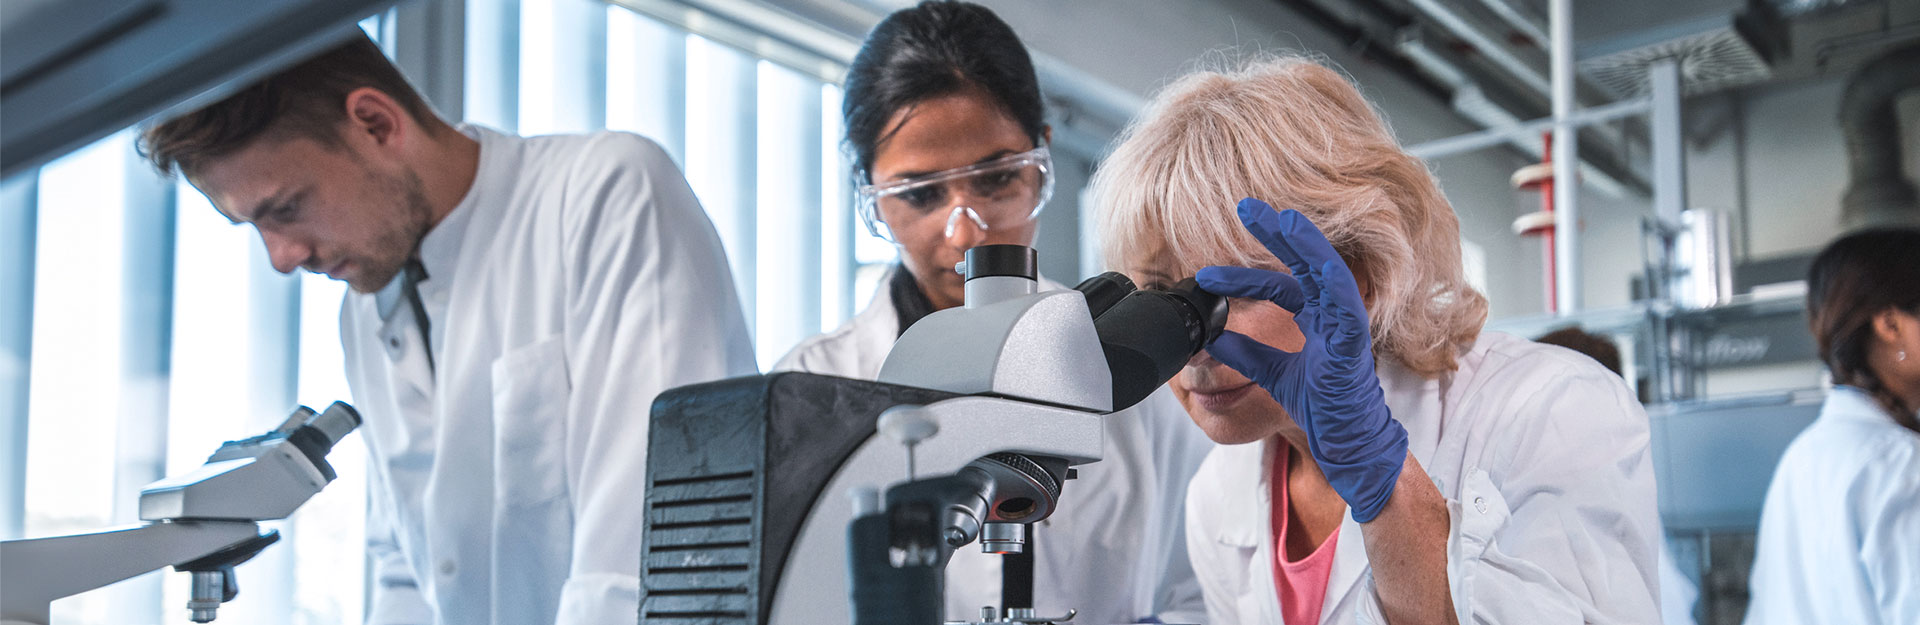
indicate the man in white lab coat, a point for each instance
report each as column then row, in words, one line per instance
column 516, row 305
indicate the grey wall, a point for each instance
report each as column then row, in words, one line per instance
column 1771, row 156
column 1794, row 162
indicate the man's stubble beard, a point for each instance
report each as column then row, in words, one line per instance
column 391, row 251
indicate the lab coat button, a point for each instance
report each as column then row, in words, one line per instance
column 1480, row 503
column 446, row 568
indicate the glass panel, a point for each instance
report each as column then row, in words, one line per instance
column 329, row 588
column 74, row 392
column 788, row 212
column 836, row 240
column 493, row 64
column 212, row 386
column 721, row 133
column 647, row 79
column 562, row 66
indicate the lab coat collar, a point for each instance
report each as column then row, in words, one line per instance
column 1847, row 403
column 439, row 249
column 880, row 311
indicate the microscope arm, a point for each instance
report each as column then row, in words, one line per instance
column 83, row 562
column 202, row 523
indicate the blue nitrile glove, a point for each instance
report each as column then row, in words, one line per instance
column 1328, row 386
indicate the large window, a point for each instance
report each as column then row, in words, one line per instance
column 158, row 331
column 152, row 329
column 757, row 140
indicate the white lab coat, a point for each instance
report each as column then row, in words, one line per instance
column 577, row 279
column 1113, row 550
column 1840, row 533
column 1542, row 457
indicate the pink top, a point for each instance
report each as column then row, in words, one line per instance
column 1302, row 585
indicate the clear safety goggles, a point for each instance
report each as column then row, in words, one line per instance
column 1002, row 193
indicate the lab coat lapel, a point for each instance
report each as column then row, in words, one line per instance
column 405, row 350
column 1246, row 524
column 876, row 328
column 1343, row 581
column 1247, row 520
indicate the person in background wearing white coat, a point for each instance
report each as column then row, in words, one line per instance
column 943, row 118
column 515, row 305
column 1382, row 459
column 1677, row 592
column 1839, row 536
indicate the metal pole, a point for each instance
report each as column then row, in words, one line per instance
column 1566, row 190
column 18, row 229
column 1669, row 163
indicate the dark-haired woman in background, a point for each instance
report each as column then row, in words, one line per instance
column 944, row 121
column 1840, row 535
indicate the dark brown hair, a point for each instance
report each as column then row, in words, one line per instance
column 934, row 49
column 306, row 100
column 1593, row 345
column 1852, row 281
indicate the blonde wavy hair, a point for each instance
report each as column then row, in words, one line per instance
column 1296, row 134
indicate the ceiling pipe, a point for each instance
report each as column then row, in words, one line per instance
column 1494, row 51
column 1512, row 16
column 1443, row 74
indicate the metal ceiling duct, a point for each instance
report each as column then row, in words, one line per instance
column 1712, row 55
column 1878, row 192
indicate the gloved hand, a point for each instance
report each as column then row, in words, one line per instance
column 1329, row 386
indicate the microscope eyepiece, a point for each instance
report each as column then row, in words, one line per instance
column 1149, row 334
column 338, row 420
column 1104, row 290
column 1017, row 261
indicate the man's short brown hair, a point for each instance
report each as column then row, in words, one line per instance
column 1593, row 345
column 306, row 100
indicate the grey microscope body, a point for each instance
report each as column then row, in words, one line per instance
column 202, row 523
column 968, row 436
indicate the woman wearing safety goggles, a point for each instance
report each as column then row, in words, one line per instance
column 1006, row 193
column 944, row 121
column 935, row 217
